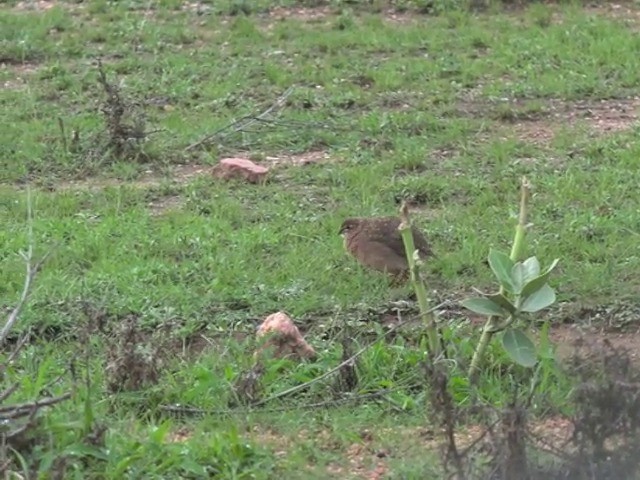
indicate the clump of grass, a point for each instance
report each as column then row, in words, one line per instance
column 134, row 360
column 124, row 121
column 509, row 112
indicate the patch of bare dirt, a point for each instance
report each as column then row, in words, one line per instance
column 366, row 459
column 360, row 460
column 165, row 204
column 403, row 18
column 627, row 13
column 602, row 116
column 181, row 435
column 44, row 5
column 181, row 175
column 307, row 158
column 323, row 13
column 303, row 14
column 37, row 5
column 20, row 72
column 362, row 463
column 555, row 430
column 536, row 132
column 539, row 123
column 565, row 337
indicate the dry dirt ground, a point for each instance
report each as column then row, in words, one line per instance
column 599, row 117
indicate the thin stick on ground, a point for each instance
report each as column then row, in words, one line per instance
column 32, row 269
column 245, row 122
column 326, row 403
column 10, row 412
column 19, row 410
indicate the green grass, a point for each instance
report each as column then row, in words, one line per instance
column 424, row 108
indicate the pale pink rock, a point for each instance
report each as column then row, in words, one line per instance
column 283, row 338
column 240, row 168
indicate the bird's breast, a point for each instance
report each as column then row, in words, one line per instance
column 351, row 243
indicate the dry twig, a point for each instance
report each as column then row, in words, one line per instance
column 13, row 429
column 32, row 270
column 243, row 123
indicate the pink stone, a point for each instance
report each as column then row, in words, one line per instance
column 240, row 168
column 283, row 338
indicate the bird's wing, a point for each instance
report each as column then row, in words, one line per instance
column 380, row 256
column 393, row 240
column 421, row 243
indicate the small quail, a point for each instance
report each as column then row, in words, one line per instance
column 377, row 243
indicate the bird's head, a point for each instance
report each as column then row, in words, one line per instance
column 349, row 225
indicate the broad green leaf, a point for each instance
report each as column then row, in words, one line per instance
column 535, row 284
column 531, row 268
column 519, row 347
column 538, row 300
column 501, row 266
column 504, row 302
column 484, row 306
column 518, row 277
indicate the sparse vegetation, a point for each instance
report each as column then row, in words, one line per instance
column 143, row 319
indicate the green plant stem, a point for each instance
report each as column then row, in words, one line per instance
column 492, row 326
column 427, row 315
column 517, row 249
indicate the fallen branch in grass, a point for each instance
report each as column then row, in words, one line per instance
column 326, row 403
column 12, row 416
column 32, row 270
column 22, row 409
column 243, row 123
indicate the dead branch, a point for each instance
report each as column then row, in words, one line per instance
column 179, row 409
column 32, row 270
column 22, row 409
column 122, row 122
column 27, row 411
column 8, row 392
column 243, row 123
column 21, row 343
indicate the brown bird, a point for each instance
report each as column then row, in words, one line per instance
column 377, row 243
